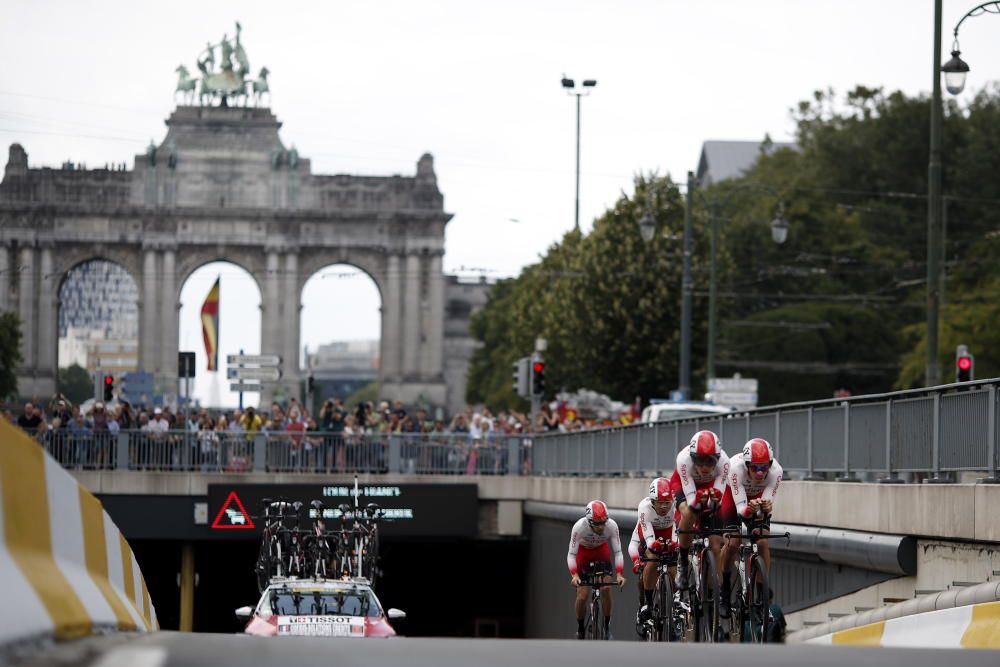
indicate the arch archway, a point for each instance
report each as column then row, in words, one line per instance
column 340, row 332
column 97, row 324
column 240, row 300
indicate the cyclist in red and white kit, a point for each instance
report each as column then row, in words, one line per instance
column 699, row 487
column 594, row 539
column 652, row 535
column 754, row 478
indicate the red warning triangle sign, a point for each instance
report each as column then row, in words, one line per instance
column 233, row 514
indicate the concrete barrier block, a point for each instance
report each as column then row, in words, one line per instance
column 62, row 560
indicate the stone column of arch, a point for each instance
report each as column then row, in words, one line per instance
column 149, row 353
column 434, row 354
column 169, row 326
column 413, row 317
column 26, row 305
column 391, row 322
column 290, row 309
column 270, row 320
column 48, row 315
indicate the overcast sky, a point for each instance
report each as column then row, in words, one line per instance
column 367, row 87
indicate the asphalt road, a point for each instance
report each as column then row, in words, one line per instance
column 170, row 649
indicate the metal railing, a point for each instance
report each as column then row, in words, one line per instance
column 928, row 432
column 289, row 452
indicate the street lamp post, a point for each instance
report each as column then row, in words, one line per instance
column 687, row 285
column 955, row 71
column 779, row 233
column 647, row 229
column 584, row 90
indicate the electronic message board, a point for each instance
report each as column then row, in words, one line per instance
column 411, row 510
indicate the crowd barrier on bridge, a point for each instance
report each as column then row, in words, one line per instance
column 288, row 452
column 931, row 431
column 927, row 431
column 957, row 618
column 65, row 569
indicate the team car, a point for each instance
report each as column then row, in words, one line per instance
column 319, row 608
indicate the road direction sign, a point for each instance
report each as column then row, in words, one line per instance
column 254, row 359
column 266, row 373
column 737, row 384
column 243, row 386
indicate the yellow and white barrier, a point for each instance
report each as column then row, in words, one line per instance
column 970, row 626
column 65, row 569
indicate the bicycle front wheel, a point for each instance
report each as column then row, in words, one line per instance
column 666, row 592
column 759, row 601
column 710, row 592
column 590, row 624
column 654, row 627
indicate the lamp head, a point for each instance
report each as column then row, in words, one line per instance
column 955, row 71
column 779, row 226
column 647, row 227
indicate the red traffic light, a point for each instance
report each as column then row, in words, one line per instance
column 964, row 363
column 109, row 380
column 538, row 367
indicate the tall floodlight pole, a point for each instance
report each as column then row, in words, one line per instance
column 933, row 372
column 570, row 87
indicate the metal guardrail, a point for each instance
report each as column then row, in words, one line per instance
column 930, row 431
column 289, row 452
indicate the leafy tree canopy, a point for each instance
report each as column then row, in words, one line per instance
column 841, row 304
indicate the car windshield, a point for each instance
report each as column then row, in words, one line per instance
column 304, row 602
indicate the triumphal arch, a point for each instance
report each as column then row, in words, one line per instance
column 221, row 185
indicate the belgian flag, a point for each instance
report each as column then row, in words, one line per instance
column 210, row 326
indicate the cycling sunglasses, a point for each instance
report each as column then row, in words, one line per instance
column 595, row 524
column 705, row 460
column 759, row 467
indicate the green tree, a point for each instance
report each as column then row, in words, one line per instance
column 854, row 192
column 76, row 383
column 841, row 304
column 10, row 353
column 608, row 304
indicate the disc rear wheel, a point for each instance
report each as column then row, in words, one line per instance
column 710, row 591
column 758, row 601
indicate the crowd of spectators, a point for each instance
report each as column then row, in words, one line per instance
column 59, row 414
column 337, row 437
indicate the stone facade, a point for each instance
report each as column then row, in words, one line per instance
column 222, row 186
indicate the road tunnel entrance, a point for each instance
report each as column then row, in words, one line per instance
column 448, row 588
column 435, row 564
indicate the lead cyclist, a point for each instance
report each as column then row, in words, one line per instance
column 754, row 478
